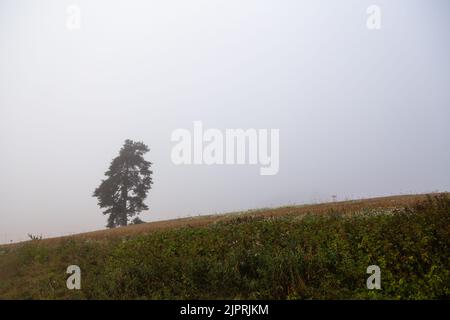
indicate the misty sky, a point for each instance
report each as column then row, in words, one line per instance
column 361, row 112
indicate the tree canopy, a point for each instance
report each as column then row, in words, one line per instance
column 128, row 181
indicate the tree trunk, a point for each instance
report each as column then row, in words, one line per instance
column 123, row 218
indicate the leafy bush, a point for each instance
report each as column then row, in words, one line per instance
column 312, row 257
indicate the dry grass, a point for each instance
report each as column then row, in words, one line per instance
column 347, row 207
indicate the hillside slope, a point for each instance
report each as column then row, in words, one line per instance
column 312, row 251
column 349, row 206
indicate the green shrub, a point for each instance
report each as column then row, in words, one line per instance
column 312, row 257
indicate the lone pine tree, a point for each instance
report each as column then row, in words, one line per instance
column 129, row 180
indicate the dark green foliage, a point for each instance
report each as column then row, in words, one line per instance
column 311, row 257
column 129, row 180
column 137, row 220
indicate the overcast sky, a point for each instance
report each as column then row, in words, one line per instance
column 361, row 112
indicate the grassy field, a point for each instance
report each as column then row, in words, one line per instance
column 297, row 252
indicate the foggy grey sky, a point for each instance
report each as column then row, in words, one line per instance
column 361, row 112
